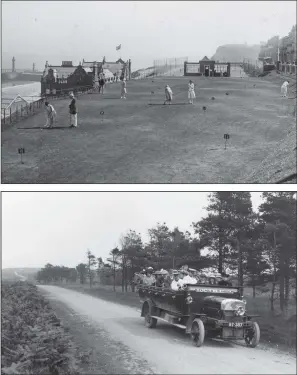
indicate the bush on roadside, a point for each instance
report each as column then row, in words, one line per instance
column 33, row 338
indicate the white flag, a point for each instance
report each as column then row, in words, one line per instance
column 118, row 47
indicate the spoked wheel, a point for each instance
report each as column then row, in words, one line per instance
column 252, row 337
column 197, row 332
column 149, row 321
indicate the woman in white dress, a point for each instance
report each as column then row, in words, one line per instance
column 284, row 89
column 168, row 94
column 191, row 92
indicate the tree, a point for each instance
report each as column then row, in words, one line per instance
column 214, row 230
column 279, row 213
column 131, row 257
column 114, row 260
column 160, row 240
column 91, row 263
column 82, row 272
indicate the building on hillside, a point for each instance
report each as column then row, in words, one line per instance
column 287, row 48
column 269, row 51
column 59, row 79
column 207, row 68
column 281, row 50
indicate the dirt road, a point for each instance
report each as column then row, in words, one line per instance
column 165, row 349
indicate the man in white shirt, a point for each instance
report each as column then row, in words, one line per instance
column 175, row 284
column 284, row 89
column 187, row 279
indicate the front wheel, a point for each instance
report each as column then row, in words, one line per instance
column 197, row 332
column 149, row 321
column 252, row 337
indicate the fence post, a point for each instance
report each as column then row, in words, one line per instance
column 10, row 114
column 4, row 115
column 21, row 111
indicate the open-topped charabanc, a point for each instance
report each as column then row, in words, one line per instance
column 211, row 310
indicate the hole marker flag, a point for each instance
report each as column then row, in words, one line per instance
column 118, row 47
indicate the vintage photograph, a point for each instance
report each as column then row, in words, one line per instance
column 148, row 283
column 126, row 92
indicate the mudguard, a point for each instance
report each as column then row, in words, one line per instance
column 191, row 319
column 151, row 306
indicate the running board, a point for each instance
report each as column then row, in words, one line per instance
column 174, row 324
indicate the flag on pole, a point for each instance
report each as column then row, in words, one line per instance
column 118, row 47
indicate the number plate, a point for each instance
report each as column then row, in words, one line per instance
column 236, row 325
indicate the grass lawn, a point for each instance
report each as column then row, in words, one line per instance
column 142, row 143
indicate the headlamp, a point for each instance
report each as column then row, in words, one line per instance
column 189, row 299
column 240, row 311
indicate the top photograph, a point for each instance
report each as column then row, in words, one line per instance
column 148, row 92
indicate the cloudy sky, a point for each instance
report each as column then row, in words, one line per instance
column 59, row 227
column 36, row 31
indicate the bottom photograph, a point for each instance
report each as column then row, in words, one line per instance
column 148, row 283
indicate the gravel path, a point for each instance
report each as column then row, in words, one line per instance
column 121, row 343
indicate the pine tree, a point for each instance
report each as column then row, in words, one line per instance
column 279, row 214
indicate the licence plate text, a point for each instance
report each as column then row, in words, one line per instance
column 236, row 325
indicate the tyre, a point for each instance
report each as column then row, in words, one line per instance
column 149, row 321
column 252, row 337
column 197, row 332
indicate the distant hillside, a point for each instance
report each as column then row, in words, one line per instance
column 16, row 274
column 236, row 52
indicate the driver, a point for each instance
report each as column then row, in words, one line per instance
column 224, row 280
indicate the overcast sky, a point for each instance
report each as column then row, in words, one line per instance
column 36, row 31
column 58, row 228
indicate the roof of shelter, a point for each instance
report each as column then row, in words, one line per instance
column 61, row 70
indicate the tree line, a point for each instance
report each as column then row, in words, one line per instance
column 254, row 246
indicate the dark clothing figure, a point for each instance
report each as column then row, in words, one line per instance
column 160, row 282
column 101, row 85
column 224, row 283
column 72, row 107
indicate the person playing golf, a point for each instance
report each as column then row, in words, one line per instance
column 168, row 95
column 50, row 115
column 73, row 112
column 284, row 89
column 123, row 89
column 191, row 92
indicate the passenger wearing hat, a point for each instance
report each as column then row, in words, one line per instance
column 149, row 279
column 140, row 276
column 183, row 277
column 160, row 278
column 175, row 284
column 73, row 112
column 188, row 279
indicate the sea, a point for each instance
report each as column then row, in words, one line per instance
column 30, row 91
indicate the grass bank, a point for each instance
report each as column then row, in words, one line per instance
column 34, row 342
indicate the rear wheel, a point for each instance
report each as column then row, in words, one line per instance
column 197, row 332
column 252, row 337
